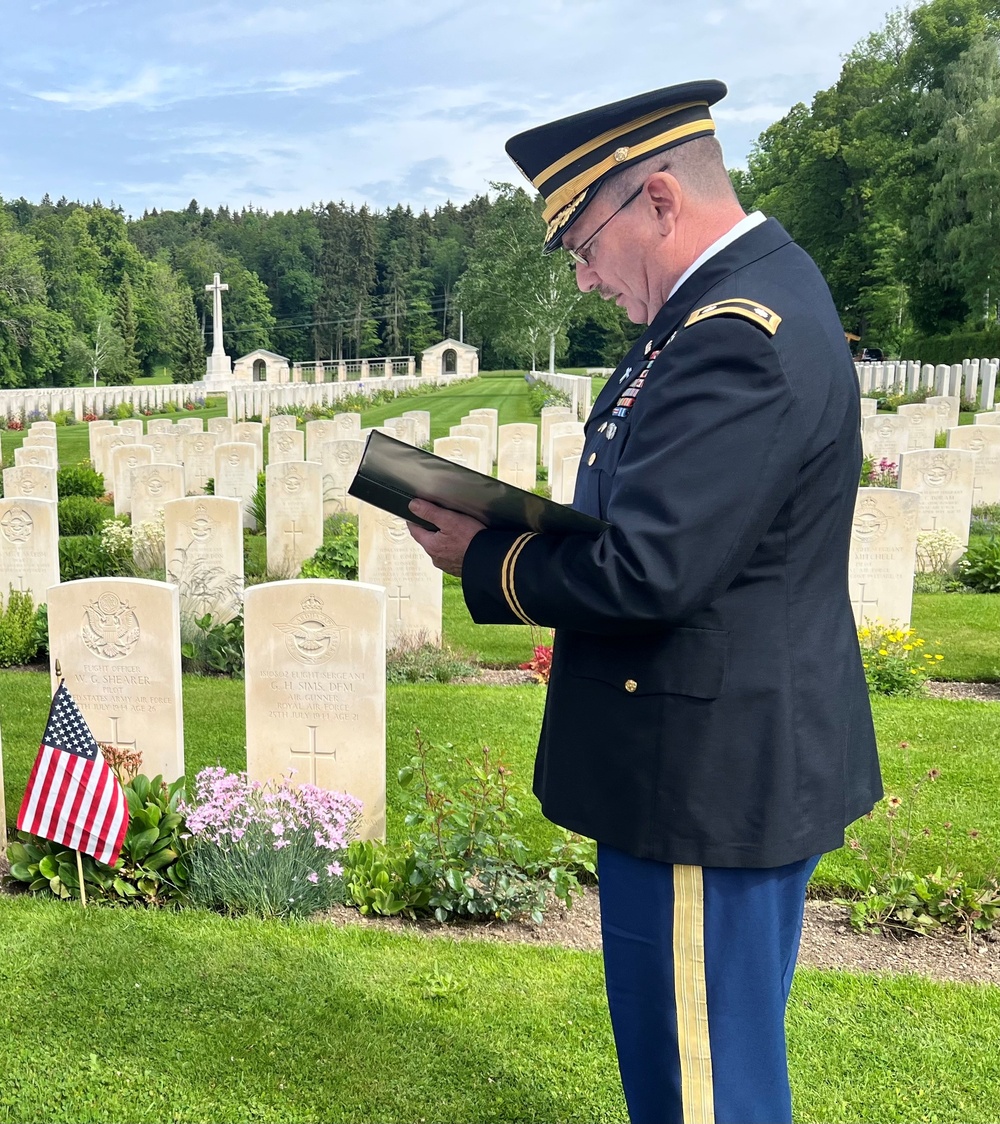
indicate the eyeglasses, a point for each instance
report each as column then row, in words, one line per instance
column 576, row 256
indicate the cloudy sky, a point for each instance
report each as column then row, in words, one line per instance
column 282, row 105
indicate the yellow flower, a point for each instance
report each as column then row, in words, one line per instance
column 907, row 647
column 939, row 656
column 882, row 652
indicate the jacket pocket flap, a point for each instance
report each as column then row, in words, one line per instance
column 684, row 661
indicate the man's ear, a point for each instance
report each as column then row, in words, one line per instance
column 665, row 196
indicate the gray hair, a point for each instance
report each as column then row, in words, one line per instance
column 698, row 166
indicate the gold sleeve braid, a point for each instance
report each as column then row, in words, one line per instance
column 507, row 577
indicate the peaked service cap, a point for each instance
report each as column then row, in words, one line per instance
column 567, row 160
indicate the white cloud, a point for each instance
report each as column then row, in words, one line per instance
column 159, row 86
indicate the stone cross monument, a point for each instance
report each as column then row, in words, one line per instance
column 218, row 366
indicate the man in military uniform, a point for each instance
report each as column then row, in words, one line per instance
column 707, row 719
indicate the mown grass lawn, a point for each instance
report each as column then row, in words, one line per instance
column 965, row 627
column 130, row 1015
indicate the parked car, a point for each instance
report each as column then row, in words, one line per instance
column 870, row 355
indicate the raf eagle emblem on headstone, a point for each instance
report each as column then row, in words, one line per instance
column 311, row 636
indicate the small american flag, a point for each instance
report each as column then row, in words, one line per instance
column 73, row 798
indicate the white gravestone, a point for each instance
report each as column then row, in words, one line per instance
column 885, row 436
column 131, row 426
column 340, row 460
column 943, row 478
column 923, row 425
column 869, row 407
column 107, row 443
column 204, row 555
column 32, row 481
column 563, row 446
column 422, row 420
column 252, row 432
column 152, row 486
column 389, row 556
column 466, row 451
column 482, row 434
column 282, row 423
column 315, row 689
column 165, row 446
column 294, row 492
column 94, row 430
column 159, row 425
column 570, row 468
column 198, row 451
column 559, row 429
column 47, row 439
column 403, row 429
column 286, row 445
column 548, row 417
column 946, row 408
column 984, row 442
column 991, row 417
column 36, row 454
column 118, row 641
column 491, row 417
column 29, row 546
column 124, row 460
column 222, row 428
column 883, row 555
column 43, row 427
column 517, row 454
column 347, row 427
column 236, row 475
column 320, row 431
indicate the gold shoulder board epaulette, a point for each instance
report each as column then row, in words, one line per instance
column 758, row 314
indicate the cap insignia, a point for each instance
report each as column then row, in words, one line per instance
column 563, row 216
column 621, row 154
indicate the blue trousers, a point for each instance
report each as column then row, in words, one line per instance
column 698, row 964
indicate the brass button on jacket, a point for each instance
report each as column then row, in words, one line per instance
column 631, row 685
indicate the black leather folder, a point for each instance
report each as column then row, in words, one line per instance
column 392, row 473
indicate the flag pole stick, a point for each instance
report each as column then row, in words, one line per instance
column 79, row 874
column 79, row 859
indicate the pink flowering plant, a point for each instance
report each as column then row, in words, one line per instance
column 272, row 850
column 882, row 473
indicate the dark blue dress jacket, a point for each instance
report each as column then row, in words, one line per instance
column 707, row 703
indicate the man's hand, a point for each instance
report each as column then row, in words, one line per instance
column 447, row 546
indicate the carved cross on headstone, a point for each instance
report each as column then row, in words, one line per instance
column 114, row 741
column 859, row 604
column 399, row 597
column 312, row 753
column 294, row 532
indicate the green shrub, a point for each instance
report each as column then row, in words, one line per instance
column 124, row 410
column 258, row 502
column 170, row 408
column 894, row 661
column 149, row 870
column 79, row 480
column 338, row 556
column 19, row 640
column 985, row 519
column 83, row 557
column 463, row 857
column 980, row 568
column 64, row 417
column 540, row 394
column 82, row 515
column 425, row 663
column 215, row 647
column 210, row 486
